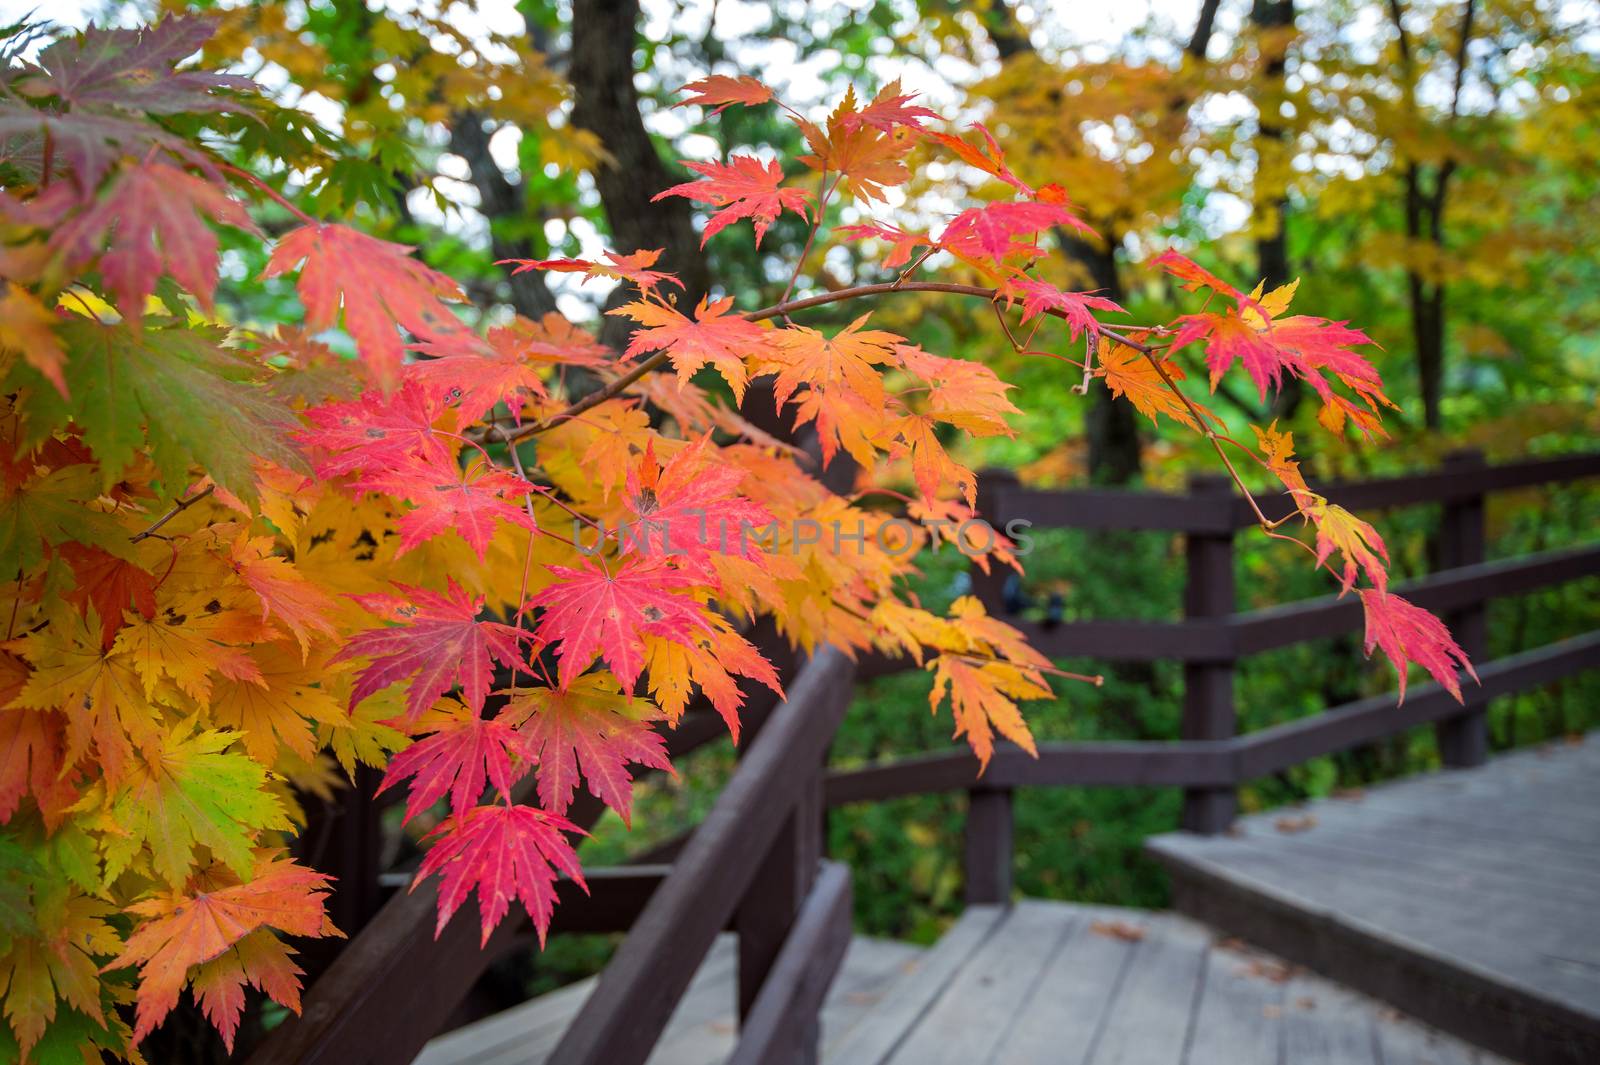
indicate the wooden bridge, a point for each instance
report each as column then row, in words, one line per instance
column 1352, row 931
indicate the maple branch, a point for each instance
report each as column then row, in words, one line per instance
column 177, row 508
column 779, row 310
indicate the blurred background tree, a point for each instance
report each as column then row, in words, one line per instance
column 1426, row 168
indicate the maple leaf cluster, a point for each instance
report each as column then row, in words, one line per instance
column 245, row 563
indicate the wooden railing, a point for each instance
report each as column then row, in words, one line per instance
column 756, row 865
column 1210, row 760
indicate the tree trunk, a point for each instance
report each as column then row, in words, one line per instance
column 607, row 104
column 500, row 198
column 1270, row 18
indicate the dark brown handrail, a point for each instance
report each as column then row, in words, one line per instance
column 1108, row 509
column 1203, row 763
column 396, row 977
column 621, row 1021
column 1211, row 760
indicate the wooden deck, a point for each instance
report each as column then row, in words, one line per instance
column 703, row 1028
column 1468, row 898
column 1035, row 983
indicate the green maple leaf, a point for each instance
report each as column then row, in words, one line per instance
column 193, row 792
column 52, row 508
column 174, row 387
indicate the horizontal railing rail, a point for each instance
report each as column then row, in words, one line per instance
column 1111, row 509
column 1210, row 760
column 1203, row 763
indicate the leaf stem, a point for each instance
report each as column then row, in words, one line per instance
column 271, row 192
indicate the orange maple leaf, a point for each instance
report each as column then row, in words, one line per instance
column 185, row 928
column 713, row 336
column 725, row 91
column 1355, row 540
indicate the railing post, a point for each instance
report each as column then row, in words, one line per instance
column 989, row 588
column 1208, row 711
column 776, row 893
column 989, row 846
column 1463, row 541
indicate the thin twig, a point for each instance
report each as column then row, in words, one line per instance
column 177, row 508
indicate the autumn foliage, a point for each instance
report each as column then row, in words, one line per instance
column 238, row 562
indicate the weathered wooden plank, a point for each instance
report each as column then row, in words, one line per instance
column 1239, row 1017
column 1108, row 508
column 1324, row 1024
column 1442, row 988
column 1151, row 1017
column 872, row 967
column 1502, row 933
column 1450, row 819
column 1291, row 623
column 1532, row 865
column 911, row 996
column 994, row 985
column 1075, row 991
column 1402, row 1041
column 1340, row 728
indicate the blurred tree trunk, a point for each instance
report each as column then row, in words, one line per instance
column 1424, row 215
column 500, row 200
column 1274, row 22
column 1112, row 425
column 607, row 105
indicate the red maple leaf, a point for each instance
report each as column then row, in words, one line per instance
column 903, row 243
column 888, row 109
column 150, row 221
column 133, row 69
column 992, row 232
column 725, row 91
column 495, row 370
column 380, row 285
column 376, row 431
column 634, row 267
column 505, row 853
column 591, row 728
column 462, row 753
column 1268, row 349
column 33, row 756
column 447, row 497
column 1039, row 297
column 439, row 644
column 1194, row 276
column 744, row 187
column 1407, row 633
column 109, row 585
column 690, row 508
column 591, row 611
column 711, row 337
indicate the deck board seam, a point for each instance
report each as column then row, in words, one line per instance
column 1104, row 1020
column 1195, row 1000
column 1068, row 932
